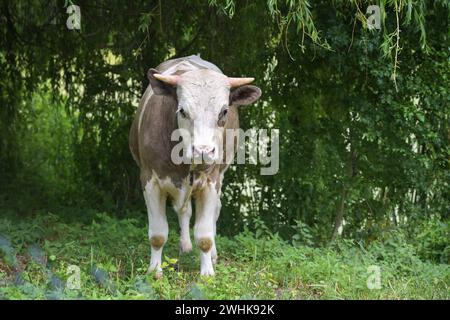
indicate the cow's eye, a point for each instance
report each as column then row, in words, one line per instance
column 222, row 117
column 223, row 113
column 182, row 113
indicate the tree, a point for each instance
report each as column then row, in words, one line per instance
column 363, row 113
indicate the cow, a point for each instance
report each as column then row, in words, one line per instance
column 193, row 95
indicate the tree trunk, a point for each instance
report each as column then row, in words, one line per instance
column 340, row 213
column 346, row 185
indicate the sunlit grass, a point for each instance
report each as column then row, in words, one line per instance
column 112, row 256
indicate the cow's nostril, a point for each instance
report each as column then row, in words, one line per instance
column 203, row 149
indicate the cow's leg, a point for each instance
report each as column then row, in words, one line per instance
column 158, row 229
column 184, row 216
column 216, row 217
column 205, row 214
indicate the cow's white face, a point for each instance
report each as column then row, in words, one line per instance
column 204, row 97
column 203, row 101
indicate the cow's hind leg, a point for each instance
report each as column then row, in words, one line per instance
column 158, row 230
column 184, row 216
column 204, row 228
column 216, row 217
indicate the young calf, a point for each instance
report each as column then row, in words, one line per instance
column 191, row 99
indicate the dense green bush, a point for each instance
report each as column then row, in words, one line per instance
column 432, row 240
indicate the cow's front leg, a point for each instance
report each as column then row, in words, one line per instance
column 206, row 204
column 158, row 229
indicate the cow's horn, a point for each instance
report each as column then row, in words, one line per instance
column 169, row 79
column 237, row 82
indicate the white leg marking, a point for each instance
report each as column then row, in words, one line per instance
column 218, row 208
column 157, row 220
column 206, row 210
column 214, row 249
column 206, row 266
column 155, row 262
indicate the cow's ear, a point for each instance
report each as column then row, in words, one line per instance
column 159, row 87
column 244, row 95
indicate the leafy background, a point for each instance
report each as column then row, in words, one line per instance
column 363, row 114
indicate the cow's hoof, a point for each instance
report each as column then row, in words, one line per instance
column 156, row 269
column 207, row 272
column 185, row 246
column 157, row 273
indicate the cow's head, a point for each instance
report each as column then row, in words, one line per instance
column 204, row 97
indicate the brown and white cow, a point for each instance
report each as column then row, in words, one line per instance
column 193, row 95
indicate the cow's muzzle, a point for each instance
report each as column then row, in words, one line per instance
column 204, row 153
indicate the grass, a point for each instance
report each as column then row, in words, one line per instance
column 112, row 256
